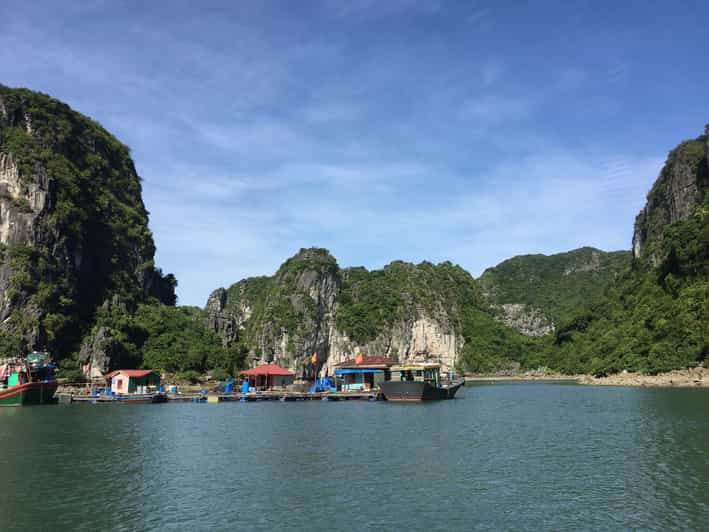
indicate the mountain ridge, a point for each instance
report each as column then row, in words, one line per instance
column 77, row 276
column 552, row 285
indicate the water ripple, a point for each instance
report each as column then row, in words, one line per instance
column 503, row 457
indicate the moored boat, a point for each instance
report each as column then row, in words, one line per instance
column 156, row 397
column 27, row 380
column 418, row 382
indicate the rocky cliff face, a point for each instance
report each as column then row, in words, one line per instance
column 21, row 204
column 73, row 228
column 527, row 320
column 678, row 191
column 312, row 306
column 422, row 338
column 284, row 318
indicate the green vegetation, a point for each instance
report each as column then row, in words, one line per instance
column 656, row 316
column 652, row 319
column 167, row 338
column 371, row 302
column 366, row 304
column 688, row 158
column 281, row 302
column 559, row 284
column 91, row 242
column 83, row 264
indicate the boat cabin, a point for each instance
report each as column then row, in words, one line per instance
column 125, row 381
column 13, row 372
column 362, row 373
column 35, row 367
column 425, row 372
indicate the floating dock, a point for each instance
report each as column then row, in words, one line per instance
column 214, row 397
column 373, row 395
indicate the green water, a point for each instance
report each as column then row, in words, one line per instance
column 501, row 457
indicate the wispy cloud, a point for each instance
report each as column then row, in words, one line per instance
column 545, row 203
column 380, row 130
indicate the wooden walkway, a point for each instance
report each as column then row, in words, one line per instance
column 276, row 396
column 215, row 397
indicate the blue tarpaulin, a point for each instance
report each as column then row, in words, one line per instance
column 323, row 384
column 346, row 371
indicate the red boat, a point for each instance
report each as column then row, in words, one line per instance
column 27, row 381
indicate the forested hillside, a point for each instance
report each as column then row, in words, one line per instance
column 656, row 317
column 404, row 311
column 557, row 284
column 77, row 271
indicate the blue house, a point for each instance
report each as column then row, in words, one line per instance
column 362, row 373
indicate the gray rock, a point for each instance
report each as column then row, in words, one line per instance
column 675, row 195
column 527, row 320
column 100, row 353
column 309, row 285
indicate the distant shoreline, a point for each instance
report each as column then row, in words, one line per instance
column 521, row 377
column 680, row 378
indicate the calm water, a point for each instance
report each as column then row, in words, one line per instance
column 505, row 456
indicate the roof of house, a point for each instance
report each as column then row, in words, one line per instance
column 417, row 366
column 129, row 373
column 366, row 362
column 268, row 369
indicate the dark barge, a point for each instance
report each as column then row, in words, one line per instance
column 418, row 382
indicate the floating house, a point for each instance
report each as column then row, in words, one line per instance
column 362, row 373
column 124, row 381
column 267, row 377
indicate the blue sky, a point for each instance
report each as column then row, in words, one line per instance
column 382, row 130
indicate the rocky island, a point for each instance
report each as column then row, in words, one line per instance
column 78, row 278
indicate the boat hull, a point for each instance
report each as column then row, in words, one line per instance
column 31, row 393
column 141, row 398
column 413, row 392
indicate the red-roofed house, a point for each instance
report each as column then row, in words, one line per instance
column 268, row 376
column 133, row 381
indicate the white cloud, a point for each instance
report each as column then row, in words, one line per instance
column 216, row 231
column 270, row 137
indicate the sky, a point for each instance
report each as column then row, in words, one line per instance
column 381, row 130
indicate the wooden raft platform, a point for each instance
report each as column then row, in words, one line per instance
column 214, row 397
column 70, row 397
column 373, row 395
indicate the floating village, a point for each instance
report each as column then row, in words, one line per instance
column 31, row 380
